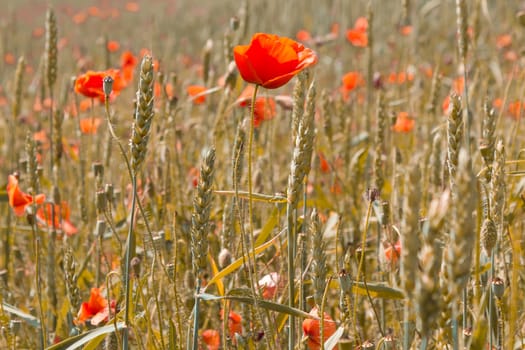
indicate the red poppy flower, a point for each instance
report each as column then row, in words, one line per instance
column 90, row 125
column 234, row 323
column 404, row 123
column 211, row 338
column 80, row 17
column 9, row 58
column 303, row 35
column 264, row 110
column 264, row 106
column 406, row 30
column 400, row 78
column 90, row 84
column 127, row 65
column 38, row 32
column 514, row 109
column 334, row 30
column 128, row 59
column 271, row 61
column 196, row 92
column 323, row 163
column 19, row 200
column 113, row 46
column 361, row 24
column 350, row 81
column 358, row 36
column 132, row 6
column 503, row 41
column 458, row 85
column 311, row 329
column 96, row 309
column 393, row 252
column 61, row 212
column 269, row 284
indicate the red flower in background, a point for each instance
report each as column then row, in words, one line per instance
column 113, row 46
column 311, row 329
column 96, row 309
column 404, row 123
column 127, row 65
column 350, row 80
column 196, row 93
column 211, row 338
column 357, row 35
column 90, row 126
column 393, row 252
column 19, row 200
column 271, row 61
column 303, row 35
column 264, row 110
column 234, row 323
column 61, row 212
column 269, row 284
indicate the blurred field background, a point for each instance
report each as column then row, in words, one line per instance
column 417, row 239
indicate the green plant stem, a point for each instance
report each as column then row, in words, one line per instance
column 468, row 120
column 36, row 240
column 130, row 241
column 250, row 144
column 253, row 269
column 361, row 259
column 130, row 245
column 291, row 273
column 196, row 316
column 51, row 132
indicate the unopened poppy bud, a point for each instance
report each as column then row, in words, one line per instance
column 23, row 163
column 225, row 258
column 108, row 188
column 498, row 287
column 345, row 281
column 101, row 200
column 15, row 326
column 389, row 342
column 100, row 228
column 159, row 242
column 30, row 215
column 107, row 85
column 135, row 266
column 234, row 23
column 367, row 345
column 98, row 169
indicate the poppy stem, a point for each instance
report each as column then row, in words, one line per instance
column 362, row 257
column 250, row 143
column 130, row 242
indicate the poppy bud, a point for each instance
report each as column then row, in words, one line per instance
column 108, row 85
column 498, row 287
column 225, row 258
column 135, row 266
column 100, row 228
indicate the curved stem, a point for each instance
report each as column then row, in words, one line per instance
column 130, row 242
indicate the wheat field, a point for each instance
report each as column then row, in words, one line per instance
column 328, row 174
